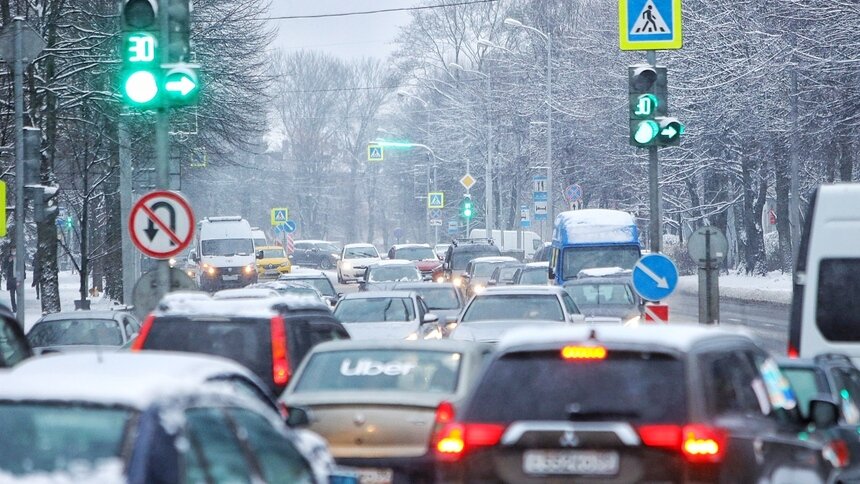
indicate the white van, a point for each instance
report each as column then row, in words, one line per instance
column 825, row 310
column 530, row 242
column 224, row 253
column 260, row 239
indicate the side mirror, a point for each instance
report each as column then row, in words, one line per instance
column 298, row 417
column 492, row 283
column 430, row 318
column 577, row 318
column 823, row 413
column 259, row 254
column 194, row 257
column 551, row 273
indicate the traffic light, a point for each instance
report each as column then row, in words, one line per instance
column 647, row 102
column 141, row 70
column 179, row 31
column 32, row 156
column 70, row 222
column 466, row 208
column 44, row 203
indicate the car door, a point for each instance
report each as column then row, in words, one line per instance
column 214, row 452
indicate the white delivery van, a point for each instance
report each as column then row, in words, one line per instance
column 260, row 239
column 224, row 253
column 530, row 242
column 825, row 311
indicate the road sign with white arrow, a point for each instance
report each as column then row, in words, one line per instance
column 161, row 224
column 655, row 277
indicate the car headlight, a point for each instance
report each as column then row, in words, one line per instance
column 440, row 279
column 249, row 269
column 210, row 270
column 458, row 281
column 172, row 262
column 346, row 266
column 634, row 321
column 478, row 289
column 190, row 273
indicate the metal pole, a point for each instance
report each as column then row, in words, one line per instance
column 20, row 209
column 435, row 227
column 488, row 172
column 656, row 226
column 549, row 205
column 794, row 183
column 162, row 147
column 125, row 199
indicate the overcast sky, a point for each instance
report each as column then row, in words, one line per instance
column 345, row 37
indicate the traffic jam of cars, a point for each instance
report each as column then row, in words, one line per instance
column 347, row 364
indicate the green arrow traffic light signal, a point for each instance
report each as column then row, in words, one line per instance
column 182, row 85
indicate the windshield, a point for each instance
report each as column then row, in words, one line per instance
column 47, row 438
column 273, row 254
column 260, row 242
column 100, row 332
column 580, row 258
column 361, row 253
column 439, row 297
column 394, row 274
column 603, row 294
column 298, row 291
column 506, row 274
column 375, row 310
column 227, row 247
column 381, row 370
column 534, row 275
column 528, row 307
column 460, row 258
column 414, row 253
column 484, row 269
column 323, row 285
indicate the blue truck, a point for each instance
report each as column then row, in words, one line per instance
column 591, row 239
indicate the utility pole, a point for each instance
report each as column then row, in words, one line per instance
column 488, row 172
column 20, row 204
column 549, row 205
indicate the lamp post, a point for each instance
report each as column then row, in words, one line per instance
column 548, row 39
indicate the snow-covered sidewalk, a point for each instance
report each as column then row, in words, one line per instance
column 773, row 288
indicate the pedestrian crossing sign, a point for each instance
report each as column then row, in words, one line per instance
column 435, row 200
column 375, row 153
column 280, row 216
column 649, row 24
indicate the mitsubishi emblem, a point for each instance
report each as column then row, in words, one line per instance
column 568, row 439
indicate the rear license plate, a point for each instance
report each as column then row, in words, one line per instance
column 231, row 278
column 373, row 476
column 554, row 462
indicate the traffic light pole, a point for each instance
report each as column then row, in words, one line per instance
column 655, row 227
column 125, row 200
column 162, row 143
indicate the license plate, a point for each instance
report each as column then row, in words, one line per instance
column 373, row 476
column 271, row 272
column 231, row 278
column 557, row 462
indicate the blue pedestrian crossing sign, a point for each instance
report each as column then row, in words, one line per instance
column 375, row 153
column 655, row 277
column 279, row 216
column 435, row 200
column 649, row 24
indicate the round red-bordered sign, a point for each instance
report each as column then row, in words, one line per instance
column 161, row 224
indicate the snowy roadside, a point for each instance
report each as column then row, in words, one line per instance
column 773, row 288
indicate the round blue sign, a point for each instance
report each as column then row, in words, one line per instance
column 655, row 277
column 289, row 226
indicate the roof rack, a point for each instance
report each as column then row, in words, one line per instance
column 484, row 240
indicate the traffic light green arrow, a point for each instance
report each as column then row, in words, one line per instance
column 669, row 132
column 183, row 86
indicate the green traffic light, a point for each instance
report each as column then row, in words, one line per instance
column 141, row 87
column 646, row 106
column 646, row 131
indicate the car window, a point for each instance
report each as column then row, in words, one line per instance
column 534, row 276
column 326, row 247
column 460, row 258
column 413, row 253
column 780, row 396
column 837, row 311
column 394, row 274
column 378, row 309
column 13, row 349
column 131, row 326
column 100, row 332
column 514, row 307
column 273, row 254
column 730, row 384
column 569, row 304
column 360, row 253
column 278, row 458
column 807, row 383
column 601, row 293
column 439, row 297
column 848, row 387
column 381, row 370
column 483, row 269
column 322, row 332
column 217, row 455
column 245, row 387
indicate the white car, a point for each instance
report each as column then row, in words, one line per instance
column 354, row 259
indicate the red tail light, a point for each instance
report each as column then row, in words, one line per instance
column 836, row 452
column 698, row 443
column 137, row 345
column 792, row 352
column 281, row 371
column 445, row 413
column 456, row 439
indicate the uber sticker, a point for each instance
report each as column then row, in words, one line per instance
column 368, row 367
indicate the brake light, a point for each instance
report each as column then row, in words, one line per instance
column 583, row 353
column 792, row 352
column 456, row 439
column 444, row 413
column 280, row 362
column 703, row 443
column 836, row 452
column 137, row 345
column 666, row 436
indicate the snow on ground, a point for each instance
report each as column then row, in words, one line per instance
column 69, row 292
column 774, row 287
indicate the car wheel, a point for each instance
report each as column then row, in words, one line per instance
column 325, row 264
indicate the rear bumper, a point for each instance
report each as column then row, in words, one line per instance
column 406, row 469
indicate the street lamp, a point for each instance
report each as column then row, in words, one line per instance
column 548, row 39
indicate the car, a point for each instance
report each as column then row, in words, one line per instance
column 318, row 280
column 611, row 404
column 487, row 316
column 259, row 237
column 14, row 347
column 444, row 299
column 248, row 292
column 606, row 297
column 532, row 273
column 272, row 261
column 82, row 330
column 383, row 274
column 157, row 417
column 387, row 315
column 479, row 270
column 293, row 288
column 270, row 336
column 315, row 253
column 459, row 253
column 422, row 255
column 354, row 261
column 542, row 253
column 377, row 402
column 440, row 250
column 834, row 377
column 224, row 253
column 503, row 274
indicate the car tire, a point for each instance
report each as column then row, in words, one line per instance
column 325, row 264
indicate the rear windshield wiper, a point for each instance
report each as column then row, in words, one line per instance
column 576, row 412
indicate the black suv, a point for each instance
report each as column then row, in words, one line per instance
column 616, row 404
column 268, row 336
column 315, row 253
column 460, row 252
column 13, row 344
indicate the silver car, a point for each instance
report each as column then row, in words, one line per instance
column 387, row 315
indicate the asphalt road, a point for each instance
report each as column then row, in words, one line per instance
column 767, row 321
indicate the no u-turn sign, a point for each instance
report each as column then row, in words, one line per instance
column 161, row 224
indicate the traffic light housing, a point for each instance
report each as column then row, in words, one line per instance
column 32, row 156
column 649, row 108
column 44, row 203
column 179, row 31
column 467, row 210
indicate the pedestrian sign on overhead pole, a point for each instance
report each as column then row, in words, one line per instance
column 436, row 200
column 280, row 216
column 375, row 153
column 649, row 24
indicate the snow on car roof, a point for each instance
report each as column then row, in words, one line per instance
column 356, row 246
column 246, row 308
column 604, row 272
column 542, row 265
column 245, row 293
column 378, row 295
column 524, row 289
column 393, row 262
column 70, row 315
column 410, row 246
column 594, row 225
column 494, row 258
column 114, row 378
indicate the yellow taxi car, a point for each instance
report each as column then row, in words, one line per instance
column 272, row 261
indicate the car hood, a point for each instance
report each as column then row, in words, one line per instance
column 276, row 261
column 382, row 330
column 378, row 286
column 491, row 331
column 427, row 265
column 360, row 262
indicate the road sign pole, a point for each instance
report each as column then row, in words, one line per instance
column 162, row 143
column 709, row 286
column 656, row 199
column 20, row 248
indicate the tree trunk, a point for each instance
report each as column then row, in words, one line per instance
column 783, row 227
